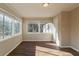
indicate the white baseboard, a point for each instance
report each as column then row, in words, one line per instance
column 12, row 48
column 74, row 48
column 69, row 47
column 65, row 47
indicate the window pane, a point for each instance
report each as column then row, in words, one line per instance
column 1, row 26
column 30, row 28
column 17, row 27
column 7, row 26
column 33, row 27
column 42, row 27
column 46, row 28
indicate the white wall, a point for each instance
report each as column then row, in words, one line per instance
column 65, row 29
column 39, row 36
column 74, row 17
column 62, row 25
column 56, row 33
column 7, row 45
column 69, row 29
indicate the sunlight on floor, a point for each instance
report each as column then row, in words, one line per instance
column 51, row 44
column 43, row 51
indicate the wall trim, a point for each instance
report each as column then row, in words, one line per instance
column 65, row 46
column 74, row 48
column 70, row 47
column 13, row 48
column 39, row 40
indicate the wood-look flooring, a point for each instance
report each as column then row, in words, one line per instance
column 42, row 49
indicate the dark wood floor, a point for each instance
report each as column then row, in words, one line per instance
column 42, row 49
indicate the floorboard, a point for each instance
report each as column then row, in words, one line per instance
column 41, row 48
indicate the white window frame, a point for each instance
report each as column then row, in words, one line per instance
column 38, row 28
column 20, row 32
column 12, row 18
column 33, row 32
column 7, row 31
column 2, row 31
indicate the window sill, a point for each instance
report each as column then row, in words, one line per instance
column 10, row 37
column 18, row 34
column 37, row 33
column 6, row 38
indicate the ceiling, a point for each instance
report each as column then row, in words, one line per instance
column 37, row 10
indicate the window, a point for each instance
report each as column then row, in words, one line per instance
column 40, row 27
column 16, row 27
column 1, row 26
column 46, row 28
column 33, row 27
column 7, row 26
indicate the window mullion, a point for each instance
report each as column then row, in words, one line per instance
column 39, row 27
column 3, row 24
column 13, row 28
